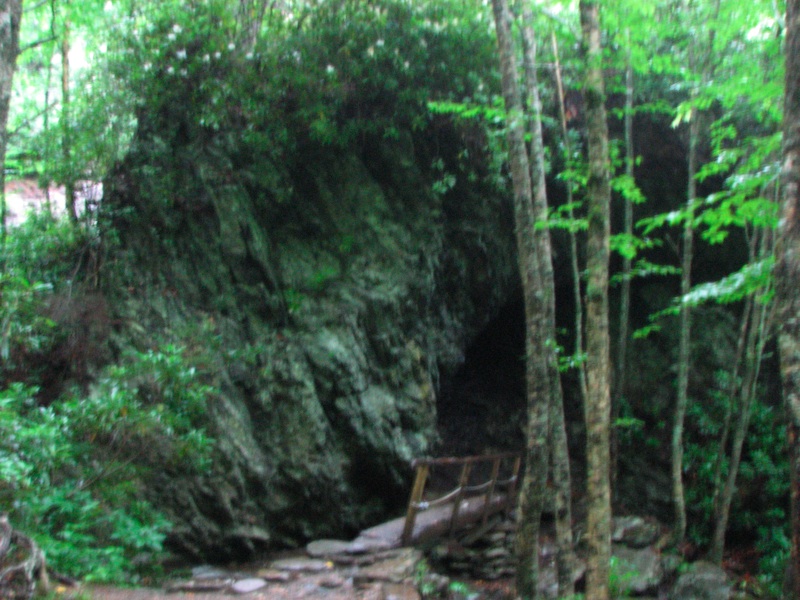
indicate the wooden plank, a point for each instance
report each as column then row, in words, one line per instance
column 433, row 523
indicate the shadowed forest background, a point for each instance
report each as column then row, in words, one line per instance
column 280, row 262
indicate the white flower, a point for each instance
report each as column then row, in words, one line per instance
column 231, row 46
column 177, row 28
column 406, row 64
column 170, row 70
column 181, row 54
column 371, row 51
column 184, row 72
column 206, row 57
column 249, row 56
column 330, row 69
column 379, row 43
column 171, row 36
column 217, row 54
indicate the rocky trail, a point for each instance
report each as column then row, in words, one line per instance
column 365, row 569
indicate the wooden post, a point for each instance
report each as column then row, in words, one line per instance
column 490, row 492
column 462, row 483
column 413, row 502
column 512, row 489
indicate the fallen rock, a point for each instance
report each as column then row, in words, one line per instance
column 307, row 565
column 245, row 586
column 637, row 571
column 274, row 575
column 332, row 581
column 635, row 531
column 209, row 572
column 703, row 581
column 199, row 585
column 397, row 569
column 328, row 548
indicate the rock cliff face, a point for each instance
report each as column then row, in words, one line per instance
column 325, row 293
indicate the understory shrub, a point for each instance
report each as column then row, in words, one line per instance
column 74, row 466
column 72, row 473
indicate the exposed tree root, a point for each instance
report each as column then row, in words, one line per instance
column 22, row 564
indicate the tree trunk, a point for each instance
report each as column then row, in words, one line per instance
column 754, row 349
column 10, row 16
column 531, row 497
column 682, row 400
column 22, row 564
column 66, row 117
column 787, row 272
column 573, row 239
column 559, row 452
column 250, row 18
column 618, row 384
column 598, row 401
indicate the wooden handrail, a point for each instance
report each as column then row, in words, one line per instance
column 422, row 468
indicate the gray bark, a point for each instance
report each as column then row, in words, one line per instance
column 531, row 498
column 559, row 453
column 682, row 400
column 10, row 17
column 598, row 401
column 787, row 271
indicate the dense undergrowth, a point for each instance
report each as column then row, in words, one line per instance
column 74, row 457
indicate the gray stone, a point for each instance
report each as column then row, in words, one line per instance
column 394, row 570
column 493, row 553
column 326, row 548
column 274, row 575
column 331, row 582
column 703, row 581
column 245, row 586
column 636, row 571
column 635, row 531
column 209, row 572
column 307, row 565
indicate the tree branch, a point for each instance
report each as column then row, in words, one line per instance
column 37, row 43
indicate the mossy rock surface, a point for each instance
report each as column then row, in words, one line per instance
column 327, row 297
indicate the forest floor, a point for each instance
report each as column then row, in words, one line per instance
column 300, row 578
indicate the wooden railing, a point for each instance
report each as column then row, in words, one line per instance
column 490, row 488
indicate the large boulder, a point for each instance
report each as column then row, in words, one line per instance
column 325, row 295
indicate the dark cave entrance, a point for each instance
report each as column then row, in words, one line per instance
column 481, row 406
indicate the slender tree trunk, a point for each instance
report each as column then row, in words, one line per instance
column 731, row 393
column 66, row 117
column 250, row 17
column 10, row 17
column 598, row 402
column 754, row 350
column 787, row 272
column 559, row 453
column 577, row 298
column 682, row 401
column 531, row 497
column 618, row 384
column 46, row 125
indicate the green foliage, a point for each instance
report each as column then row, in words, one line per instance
column 619, row 578
column 761, row 506
column 72, row 473
column 73, row 469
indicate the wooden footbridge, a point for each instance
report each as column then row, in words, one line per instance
column 484, row 486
